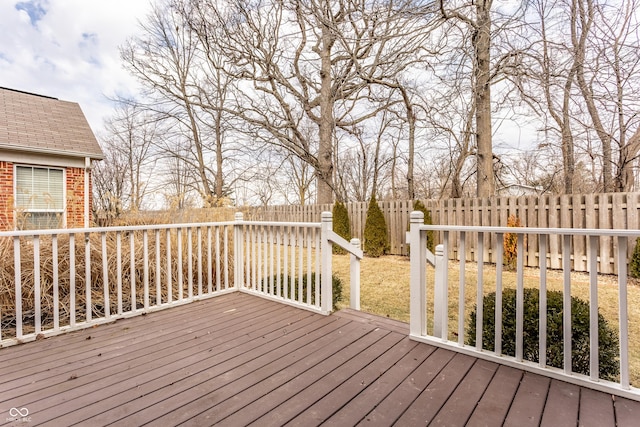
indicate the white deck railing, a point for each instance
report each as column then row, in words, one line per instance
column 69, row 279
column 291, row 262
column 450, row 313
column 73, row 278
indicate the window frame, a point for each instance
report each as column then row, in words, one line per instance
column 27, row 210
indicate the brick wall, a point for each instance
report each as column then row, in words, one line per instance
column 75, row 197
column 6, row 195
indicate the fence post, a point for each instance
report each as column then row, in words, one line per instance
column 238, row 252
column 355, row 278
column 326, row 291
column 439, row 298
column 418, row 289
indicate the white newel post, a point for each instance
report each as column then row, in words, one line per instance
column 354, row 302
column 326, row 291
column 418, row 289
column 238, row 252
column 439, row 294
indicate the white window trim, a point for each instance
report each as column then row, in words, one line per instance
column 63, row 211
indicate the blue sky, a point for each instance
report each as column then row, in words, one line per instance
column 68, row 49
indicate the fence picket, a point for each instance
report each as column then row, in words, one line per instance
column 604, row 211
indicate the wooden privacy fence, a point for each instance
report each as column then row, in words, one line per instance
column 590, row 211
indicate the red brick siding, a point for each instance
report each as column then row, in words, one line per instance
column 75, row 197
column 6, row 195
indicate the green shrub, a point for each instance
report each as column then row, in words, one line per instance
column 341, row 225
column 634, row 263
column 376, row 240
column 336, row 283
column 431, row 240
column 607, row 336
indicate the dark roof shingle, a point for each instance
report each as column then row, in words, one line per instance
column 42, row 124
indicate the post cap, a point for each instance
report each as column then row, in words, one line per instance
column 417, row 216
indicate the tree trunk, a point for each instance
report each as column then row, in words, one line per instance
column 486, row 183
column 219, row 159
column 411, row 120
column 325, row 149
column 625, row 179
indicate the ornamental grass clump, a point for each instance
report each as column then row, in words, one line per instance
column 608, row 343
column 510, row 244
column 125, row 271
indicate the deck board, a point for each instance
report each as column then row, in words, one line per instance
column 529, row 401
column 240, row 360
column 562, row 405
column 357, row 408
column 274, row 392
column 493, row 406
column 395, row 404
column 458, row 408
column 595, row 411
column 432, row 398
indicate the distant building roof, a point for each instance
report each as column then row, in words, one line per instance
column 520, row 190
column 41, row 124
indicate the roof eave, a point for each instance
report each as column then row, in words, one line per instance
column 63, row 153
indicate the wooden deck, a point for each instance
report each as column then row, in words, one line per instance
column 240, row 360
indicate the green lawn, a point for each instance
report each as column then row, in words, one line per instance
column 385, row 292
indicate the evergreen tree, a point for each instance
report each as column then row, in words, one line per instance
column 431, row 240
column 634, row 263
column 376, row 239
column 341, row 225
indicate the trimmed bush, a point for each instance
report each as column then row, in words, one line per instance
column 634, row 263
column 608, row 342
column 431, row 239
column 376, row 239
column 341, row 225
column 293, row 293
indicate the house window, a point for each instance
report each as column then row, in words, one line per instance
column 39, row 197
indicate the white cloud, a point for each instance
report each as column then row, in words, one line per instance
column 68, row 49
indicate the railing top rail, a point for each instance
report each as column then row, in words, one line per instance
column 62, row 231
column 526, row 230
column 282, row 224
column 336, row 239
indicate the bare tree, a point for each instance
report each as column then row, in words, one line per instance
column 477, row 17
column 131, row 135
column 178, row 183
column 184, row 87
column 544, row 75
column 299, row 178
column 301, row 63
column 109, row 178
column 608, row 78
column 579, row 72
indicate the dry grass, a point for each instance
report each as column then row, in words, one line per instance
column 176, row 216
column 385, row 291
column 7, row 275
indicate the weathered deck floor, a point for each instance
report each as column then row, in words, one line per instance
column 241, row 360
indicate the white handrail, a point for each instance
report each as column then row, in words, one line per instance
column 65, row 273
column 439, row 333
